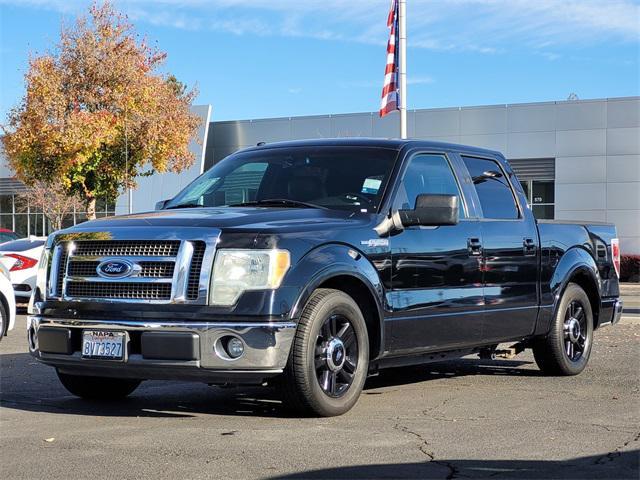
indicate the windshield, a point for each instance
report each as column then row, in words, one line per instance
column 344, row 178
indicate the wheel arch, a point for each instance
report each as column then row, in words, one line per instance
column 578, row 266
column 347, row 270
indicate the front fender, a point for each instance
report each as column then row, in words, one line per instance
column 329, row 261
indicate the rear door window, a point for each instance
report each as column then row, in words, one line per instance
column 493, row 188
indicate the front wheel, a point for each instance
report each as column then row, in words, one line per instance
column 329, row 357
column 567, row 347
column 98, row 388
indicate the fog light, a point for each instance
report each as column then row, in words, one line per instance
column 235, row 347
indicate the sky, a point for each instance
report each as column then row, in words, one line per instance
column 274, row 58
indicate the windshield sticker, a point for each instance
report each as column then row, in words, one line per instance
column 371, row 185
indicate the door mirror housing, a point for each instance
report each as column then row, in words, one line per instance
column 161, row 204
column 432, row 210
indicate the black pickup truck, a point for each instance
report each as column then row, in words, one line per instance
column 310, row 265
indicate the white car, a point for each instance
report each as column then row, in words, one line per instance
column 21, row 258
column 7, row 303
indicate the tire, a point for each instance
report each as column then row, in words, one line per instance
column 565, row 350
column 331, row 337
column 98, row 388
column 4, row 320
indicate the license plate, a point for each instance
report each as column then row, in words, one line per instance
column 101, row 344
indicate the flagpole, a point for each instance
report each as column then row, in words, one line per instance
column 402, row 67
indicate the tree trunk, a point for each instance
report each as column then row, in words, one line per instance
column 55, row 221
column 91, row 207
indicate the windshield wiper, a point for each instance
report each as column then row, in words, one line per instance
column 184, row 205
column 279, row 202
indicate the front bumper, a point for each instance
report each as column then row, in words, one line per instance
column 166, row 351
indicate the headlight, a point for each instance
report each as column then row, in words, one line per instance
column 236, row 271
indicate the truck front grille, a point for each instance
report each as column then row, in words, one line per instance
column 193, row 285
column 134, row 291
column 105, row 248
column 149, row 269
column 156, row 274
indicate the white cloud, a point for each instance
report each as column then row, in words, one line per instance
column 476, row 26
column 420, row 80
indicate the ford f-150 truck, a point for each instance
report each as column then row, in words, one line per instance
column 310, row 265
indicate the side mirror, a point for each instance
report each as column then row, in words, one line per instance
column 432, row 210
column 161, row 204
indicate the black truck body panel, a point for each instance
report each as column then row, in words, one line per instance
column 424, row 289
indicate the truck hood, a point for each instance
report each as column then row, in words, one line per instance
column 256, row 219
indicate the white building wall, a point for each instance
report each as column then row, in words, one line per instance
column 163, row 186
column 596, row 144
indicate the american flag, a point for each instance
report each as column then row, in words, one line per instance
column 390, row 94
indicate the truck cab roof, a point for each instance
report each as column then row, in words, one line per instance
column 389, row 143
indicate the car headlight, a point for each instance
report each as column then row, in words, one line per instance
column 236, row 271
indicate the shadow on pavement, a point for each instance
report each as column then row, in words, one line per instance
column 29, row 386
column 618, row 465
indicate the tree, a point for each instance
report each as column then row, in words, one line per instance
column 52, row 200
column 97, row 113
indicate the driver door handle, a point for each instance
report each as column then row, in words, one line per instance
column 474, row 245
column 529, row 246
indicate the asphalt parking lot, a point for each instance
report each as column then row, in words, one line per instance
column 467, row 418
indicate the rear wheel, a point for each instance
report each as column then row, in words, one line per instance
column 329, row 357
column 567, row 347
column 98, row 388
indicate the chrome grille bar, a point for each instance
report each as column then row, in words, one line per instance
column 181, row 272
column 168, row 267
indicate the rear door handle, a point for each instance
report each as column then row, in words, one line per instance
column 474, row 246
column 529, row 246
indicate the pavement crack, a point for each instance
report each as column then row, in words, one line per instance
column 611, row 456
column 433, row 408
column 423, row 446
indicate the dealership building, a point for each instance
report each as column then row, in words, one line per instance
column 577, row 159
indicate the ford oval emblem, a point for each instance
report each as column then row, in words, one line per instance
column 115, row 268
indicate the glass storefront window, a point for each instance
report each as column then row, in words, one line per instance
column 6, row 221
column 542, row 192
column 67, row 221
column 29, row 220
column 37, row 224
column 6, row 204
column 541, row 196
column 22, row 221
column 543, row 211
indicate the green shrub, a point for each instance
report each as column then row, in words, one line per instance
column 630, row 268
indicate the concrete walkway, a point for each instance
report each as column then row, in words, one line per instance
column 630, row 293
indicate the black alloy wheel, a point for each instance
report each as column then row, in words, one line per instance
column 336, row 358
column 329, row 358
column 575, row 331
column 566, row 349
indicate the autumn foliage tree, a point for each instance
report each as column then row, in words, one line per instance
column 97, row 113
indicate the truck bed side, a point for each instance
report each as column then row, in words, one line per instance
column 580, row 252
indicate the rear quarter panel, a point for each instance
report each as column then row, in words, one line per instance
column 567, row 247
